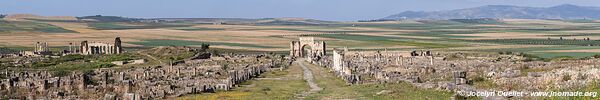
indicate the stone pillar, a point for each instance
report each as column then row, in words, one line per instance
column 102, row 49
column 397, row 60
column 70, row 47
column 111, row 49
column 118, row 48
column 122, row 76
column 178, row 72
column 195, row 70
column 324, row 48
column 431, row 60
column 105, row 49
column 401, row 61
column 292, row 50
column 84, row 48
column 91, row 50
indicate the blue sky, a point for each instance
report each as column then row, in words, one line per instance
column 338, row 10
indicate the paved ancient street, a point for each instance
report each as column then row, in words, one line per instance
column 309, row 78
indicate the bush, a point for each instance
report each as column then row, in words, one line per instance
column 61, row 73
column 505, row 52
column 42, row 64
column 566, row 77
column 204, row 47
column 530, row 57
column 266, row 89
column 560, row 58
column 596, row 56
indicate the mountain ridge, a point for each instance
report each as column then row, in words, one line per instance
column 564, row 11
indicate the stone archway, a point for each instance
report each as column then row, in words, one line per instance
column 317, row 48
column 305, row 50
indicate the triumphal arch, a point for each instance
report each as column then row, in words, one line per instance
column 307, row 47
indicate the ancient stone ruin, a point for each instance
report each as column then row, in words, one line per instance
column 307, row 47
column 460, row 72
column 87, row 48
column 39, row 48
column 152, row 82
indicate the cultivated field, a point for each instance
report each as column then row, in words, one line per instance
column 538, row 37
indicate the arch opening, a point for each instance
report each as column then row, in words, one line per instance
column 306, row 50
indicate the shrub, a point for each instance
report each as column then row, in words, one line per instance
column 566, row 77
column 204, row 47
column 596, row 56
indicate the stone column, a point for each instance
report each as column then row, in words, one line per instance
column 292, row 50
column 431, row 60
column 70, row 47
column 104, row 49
column 397, row 59
column 111, row 49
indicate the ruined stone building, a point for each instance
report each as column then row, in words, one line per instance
column 307, row 47
column 458, row 71
column 39, row 48
column 139, row 83
column 89, row 48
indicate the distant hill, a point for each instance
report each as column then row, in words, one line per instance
column 37, row 17
column 262, row 21
column 210, row 20
column 292, row 21
column 101, row 18
column 565, row 11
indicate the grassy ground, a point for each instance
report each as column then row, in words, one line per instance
column 67, row 64
column 275, row 85
column 335, row 88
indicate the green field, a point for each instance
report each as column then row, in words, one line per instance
column 198, row 29
column 443, row 33
column 555, row 41
column 124, row 26
column 26, row 26
column 383, row 40
column 162, row 42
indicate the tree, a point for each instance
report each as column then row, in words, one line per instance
column 204, row 47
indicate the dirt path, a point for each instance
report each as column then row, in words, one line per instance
column 151, row 57
column 309, row 78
